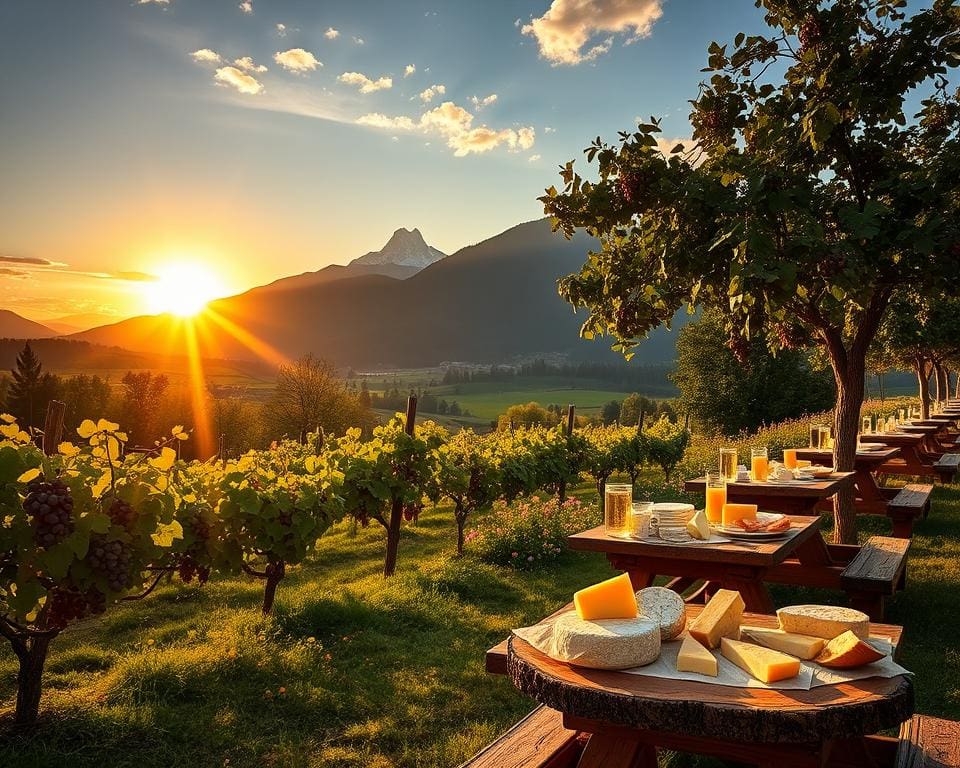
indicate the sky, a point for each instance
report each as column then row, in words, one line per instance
column 262, row 138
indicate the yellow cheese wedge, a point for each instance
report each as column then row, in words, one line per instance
column 801, row 646
column 719, row 618
column 765, row 664
column 693, row 657
column 801, row 463
column 610, row 599
column 733, row 512
column 699, row 527
column 847, row 651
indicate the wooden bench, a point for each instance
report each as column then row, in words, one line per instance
column 877, row 571
column 907, row 505
column 537, row 741
column 928, row 742
column 947, row 467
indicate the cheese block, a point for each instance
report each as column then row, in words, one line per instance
column 665, row 607
column 733, row 512
column 765, row 664
column 693, row 657
column 610, row 599
column 803, row 463
column 606, row 643
column 826, row 621
column 847, row 651
column 801, row 646
column 719, row 618
column 699, row 526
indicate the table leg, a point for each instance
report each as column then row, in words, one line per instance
column 609, row 750
column 753, row 591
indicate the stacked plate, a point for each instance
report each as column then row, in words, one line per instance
column 669, row 520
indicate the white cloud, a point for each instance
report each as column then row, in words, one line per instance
column 331, row 33
column 236, row 78
column 297, row 60
column 486, row 101
column 206, row 56
column 409, row 70
column 358, row 40
column 691, row 149
column 155, row 2
column 281, row 29
column 246, row 6
column 428, row 94
column 548, row 129
column 455, row 124
column 569, row 25
column 247, row 64
column 533, row 158
column 365, row 84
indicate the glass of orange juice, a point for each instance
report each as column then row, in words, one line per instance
column 790, row 458
column 759, row 464
column 716, row 496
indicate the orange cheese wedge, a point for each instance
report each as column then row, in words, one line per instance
column 733, row 512
column 610, row 599
column 847, row 651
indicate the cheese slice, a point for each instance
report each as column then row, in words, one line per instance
column 605, row 643
column 665, row 607
column 733, row 512
column 699, row 527
column 847, row 651
column 693, row 657
column 765, row 664
column 610, row 599
column 719, row 618
column 801, row 646
column 826, row 621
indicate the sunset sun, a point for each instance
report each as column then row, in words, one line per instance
column 183, row 289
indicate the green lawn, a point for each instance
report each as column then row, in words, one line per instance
column 489, row 405
column 375, row 673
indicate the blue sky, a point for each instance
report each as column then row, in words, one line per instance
column 120, row 151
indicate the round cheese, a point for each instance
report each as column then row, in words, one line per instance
column 606, row 643
column 666, row 608
column 826, row 621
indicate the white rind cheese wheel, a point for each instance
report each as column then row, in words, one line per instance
column 666, row 608
column 606, row 643
column 826, row 621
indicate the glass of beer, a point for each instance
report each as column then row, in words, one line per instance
column 640, row 515
column 759, row 464
column 617, row 502
column 716, row 496
column 866, row 425
column 826, row 438
column 815, row 436
column 728, row 464
column 790, row 458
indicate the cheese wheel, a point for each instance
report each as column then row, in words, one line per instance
column 606, row 643
column 826, row 621
column 665, row 607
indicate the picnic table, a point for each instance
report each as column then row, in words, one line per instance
column 904, row 506
column 914, row 458
column 788, row 498
column 629, row 717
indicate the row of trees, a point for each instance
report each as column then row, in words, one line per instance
column 90, row 525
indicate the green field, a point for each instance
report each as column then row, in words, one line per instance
column 489, row 405
column 376, row 673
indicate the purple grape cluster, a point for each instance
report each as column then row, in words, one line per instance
column 122, row 513
column 68, row 604
column 50, row 507
column 111, row 559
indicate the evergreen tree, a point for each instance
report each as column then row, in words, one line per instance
column 26, row 389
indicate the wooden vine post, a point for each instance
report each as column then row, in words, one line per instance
column 396, row 510
column 567, row 431
column 53, row 426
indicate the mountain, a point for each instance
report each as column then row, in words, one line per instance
column 405, row 254
column 491, row 302
column 80, row 322
column 13, row 326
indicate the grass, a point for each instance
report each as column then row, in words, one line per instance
column 375, row 673
column 488, row 405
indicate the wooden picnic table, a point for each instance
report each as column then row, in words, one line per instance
column 912, row 460
column 630, row 717
column 870, row 498
column 789, row 498
column 739, row 565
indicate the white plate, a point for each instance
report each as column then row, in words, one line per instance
column 735, row 532
column 794, row 481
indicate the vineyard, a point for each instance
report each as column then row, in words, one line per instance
column 88, row 525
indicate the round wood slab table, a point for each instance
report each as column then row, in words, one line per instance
column 630, row 716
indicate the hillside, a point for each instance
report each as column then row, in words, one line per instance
column 13, row 326
column 490, row 302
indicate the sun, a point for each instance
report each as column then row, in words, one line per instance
column 183, row 289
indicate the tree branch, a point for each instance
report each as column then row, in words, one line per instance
column 148, row 590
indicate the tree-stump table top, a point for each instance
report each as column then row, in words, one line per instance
column 748, row 715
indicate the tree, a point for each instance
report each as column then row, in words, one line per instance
column 634, row 406
column 807, row 197
column 84, row 396
column 468, row 475
column 724, row 395
column 142, row 396
column 610, row 412
column 31, row 388
column 529, row 415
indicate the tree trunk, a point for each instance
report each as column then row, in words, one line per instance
column 923, row 381
column 393, row 538
column 846, row 425
column 29, row 681
column 880, row 385
column 940, row 378
column 461, row 517
column 275, row 573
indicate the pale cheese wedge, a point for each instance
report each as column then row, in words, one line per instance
column 719, row 618
column 767, row 665
column 693, row 657
column 699, row 527
column 801, row 646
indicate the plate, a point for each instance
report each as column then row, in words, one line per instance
column 735, row 532
column 870, row 447
column 794, row 481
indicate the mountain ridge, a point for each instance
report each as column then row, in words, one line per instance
column 14, row 326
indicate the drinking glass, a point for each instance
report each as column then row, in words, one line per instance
column 815, row 436
column 866, row 425
column 826, row 438
column 617, row 501
column 728, row 464
column 759, row 464
column 790, row 458
column 640, row 514
column 716, row 496
column 903, row 416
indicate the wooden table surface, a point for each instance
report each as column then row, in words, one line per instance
column 898, row 439
column 789, row 498
column 631, row 716
column 864, row 459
